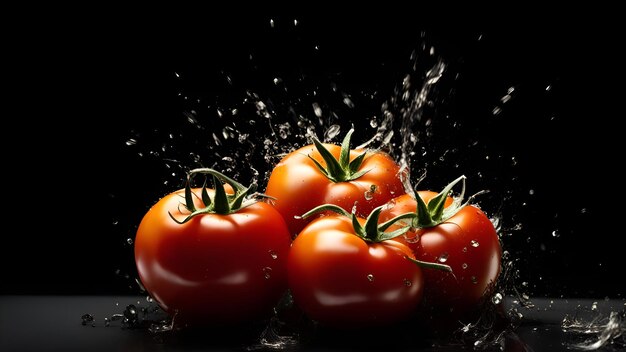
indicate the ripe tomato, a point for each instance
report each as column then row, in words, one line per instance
column 213, row 268
column 466, row 241
column 346, row 277
column 300, row 182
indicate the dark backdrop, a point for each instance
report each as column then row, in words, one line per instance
column 86, row 91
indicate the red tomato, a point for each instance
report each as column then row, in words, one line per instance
column 214, row 268
column 299, row 185
column 339, row 279
column 467, row 242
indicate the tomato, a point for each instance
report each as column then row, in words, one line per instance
column 300, row 181
column 341, row 277
column 213, row 268
column 466, row 241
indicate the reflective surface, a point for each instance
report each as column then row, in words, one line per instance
column 48, row 323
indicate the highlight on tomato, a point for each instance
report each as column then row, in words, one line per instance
column 211, row 256
column 448, row 231
column 348, row 272
column 323, row 173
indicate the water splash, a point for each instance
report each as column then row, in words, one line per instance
column 133, row 317
column 284, row 330
column 595, row 331
column 404, row 112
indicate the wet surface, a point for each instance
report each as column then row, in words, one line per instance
column 55, row 323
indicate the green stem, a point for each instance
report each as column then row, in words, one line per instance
column 342, row 169
column 371, row 232
column 429, row 265
column 435, row 212
column 222, row 203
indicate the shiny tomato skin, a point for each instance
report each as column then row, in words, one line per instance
column 467, row 242
column 299, row 186
column 341, row 281
column 214, row 269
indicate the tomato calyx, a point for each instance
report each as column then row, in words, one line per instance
column 435, row 212
column 371, row 231
column 342, row 169
column 222, row 203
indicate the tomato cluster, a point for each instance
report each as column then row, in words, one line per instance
column 335, row 227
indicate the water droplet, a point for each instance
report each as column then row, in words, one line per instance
column 87, row 319
column 348, row 102
column 474, row 243
column 497, row 298
column 129, row 241
column 583, row 210
column 216, row 139
column 131, row 141
column 277, row 80
column 525, row 284
column 411, row 237
column 368, row 195
column 443, row 257
column 284, row 130
column 317, row 109
column 407, row 283
column 107, row 322
column 594, row 306
column 271, row 23
column 555, row 233
column 496, row 111
column 525, row 296
column 163, row 326
column 149, row 299
column 295, row 22
column 267, row 272
column 370, row 277
column 273, row 254
column 531, row 192
column 474, row 280
column 332, row 132
column 131, row 318
column 510, row 90
column 548, row 88
column 464, row 249
column 464, row 265
column 373, row 122
column 505, row 98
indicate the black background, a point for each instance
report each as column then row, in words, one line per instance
column 83, row 88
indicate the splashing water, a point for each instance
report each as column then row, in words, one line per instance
column 597, row 331
column 133, row 317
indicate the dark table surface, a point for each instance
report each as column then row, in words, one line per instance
column 53, row 323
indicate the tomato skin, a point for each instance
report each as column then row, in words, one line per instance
column 299, row 186
column 329, row 270
column 213, row 269
column 467, row 242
